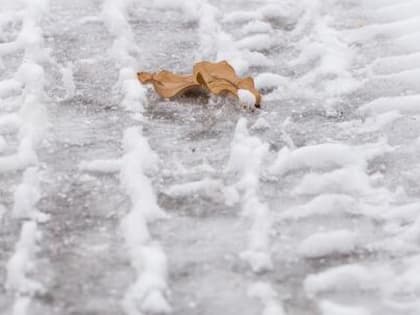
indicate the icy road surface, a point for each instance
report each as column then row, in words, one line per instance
column 113, row 201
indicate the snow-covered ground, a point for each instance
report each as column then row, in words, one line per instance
column 113, row 201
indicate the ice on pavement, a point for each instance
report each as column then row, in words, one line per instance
column 309, row 205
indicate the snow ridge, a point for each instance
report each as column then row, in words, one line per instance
column 258, row 253
column 149, row 293
column 216, row 44
column 114, row 15
column 340, row 180
column 401, row 67
column 31, row 123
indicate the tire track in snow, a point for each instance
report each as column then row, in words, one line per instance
column 149, row 292
column 86, row 269
column 31, row 123
column 215, row 44
column 354, row 260
column 246, row 190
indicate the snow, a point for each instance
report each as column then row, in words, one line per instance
column 268, row 297
column 217, row 44
column 256, row 27
column 371, row 124
column 269, row 80
column 21, row 263
column 246, row 98
column 332, row 74
column 68, row 82
column 150, row 289
column 395, row 64
column 241, row 16
column 3, row 144
column 134, row 94
column 114, row 15
column 2, row 211
column 322, row 205
column 406, row 104
column 206, row 186
column 31, row 123
column 348, row 180
column 255, row 42
column 403, row 214
column 322, row 156
column 31, row 120
column 9, row 88
column 314, row 198
column 148, row 293
column 330, row 308
column 258, row 252
column 396, row 11
column 27, row 195
column 346, row 278
column 328, row 243
column 261, row 124
column 101, row 166
column 327, row 156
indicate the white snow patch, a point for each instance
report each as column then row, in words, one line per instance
column 68, row 82
column 101, row 166
column 327, row 156
column 264, row 292
column 216, row 44
column 330, row 308
column 189, row 8
column 255, row 42
column 26, row 196
column 332, row 75
column 408, row 282
column 207, row 186
column 371, row 124
column 124, row 51
column 327, row 243
column 268, row 80
column 2, row 211
column 321, row 156
column 31, row 123
column 9, row 87
column 139, row 159
column 348, row 180
column 244, row 145
column 405, row 104
column 246, row 98
column 149, row 292
column 242, row 16
column 256, row 27
column 322, row 205
column 21, row 264
column 402, row 214
column 261, row 124
column 3, row 144
column 346, row 278
column 134, row 93
column 10, row 123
